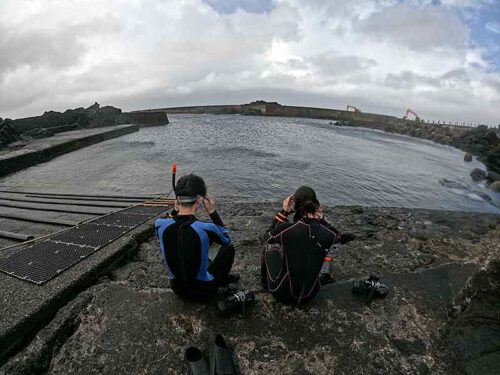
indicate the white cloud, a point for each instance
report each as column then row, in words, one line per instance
column 494, row 27
column 382, row 56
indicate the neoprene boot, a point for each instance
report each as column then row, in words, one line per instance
column 197, row 365
column 221, row 358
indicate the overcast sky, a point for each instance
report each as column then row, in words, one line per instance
column 440, row 58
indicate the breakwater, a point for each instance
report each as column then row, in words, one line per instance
column 95, row 116
column 42, row 150
column 481, row 141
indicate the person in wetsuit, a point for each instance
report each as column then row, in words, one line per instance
column 293, row 252
column 185, row 241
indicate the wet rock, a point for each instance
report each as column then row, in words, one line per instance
column 495, row 186
column 474, row 329
column 37, row 134
column 452, row 184
column 468, row 157
column 478, row 174
column 493, row 176
column 7, row 132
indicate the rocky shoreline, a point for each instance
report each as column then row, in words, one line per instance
column 17, row 133
column 441, row 315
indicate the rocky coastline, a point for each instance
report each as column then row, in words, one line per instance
column 17, row 133
column 440, row 317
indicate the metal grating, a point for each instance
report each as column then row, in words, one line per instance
column 145, row 210
column 122, row 220
column 43, row 261
column 91, row 235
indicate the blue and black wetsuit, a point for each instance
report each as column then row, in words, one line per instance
column 292, row 257
column 184, row 243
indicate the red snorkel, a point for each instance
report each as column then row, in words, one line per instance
column 174, row 171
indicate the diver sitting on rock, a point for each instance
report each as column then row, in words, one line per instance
column 293, row 253
column 185, row 241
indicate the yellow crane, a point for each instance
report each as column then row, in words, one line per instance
column 356, row 110
column 409, row 111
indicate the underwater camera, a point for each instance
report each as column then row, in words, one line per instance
column 372, row 287
column 236, row 302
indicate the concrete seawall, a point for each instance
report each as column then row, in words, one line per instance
column 45, row 149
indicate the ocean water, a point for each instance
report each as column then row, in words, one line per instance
column 265, row 159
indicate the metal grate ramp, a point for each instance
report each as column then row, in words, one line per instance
column 42, row 261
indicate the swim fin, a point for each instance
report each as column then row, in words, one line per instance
column 221, row 358
column 197, row 365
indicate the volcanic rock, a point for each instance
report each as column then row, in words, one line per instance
column 478, row 174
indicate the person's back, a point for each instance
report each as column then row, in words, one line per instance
column 185, row 241
column 293, row 253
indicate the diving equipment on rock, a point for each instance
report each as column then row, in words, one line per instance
column 236, row 302
column 197, row 364
column 222, row 358
column 372, row 287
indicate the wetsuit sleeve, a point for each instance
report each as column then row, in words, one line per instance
column 173, row 213
column 216, row 219
column 279, row 223
column 337, row 236
column 217, row 232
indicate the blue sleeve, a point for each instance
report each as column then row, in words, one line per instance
column 217, row 234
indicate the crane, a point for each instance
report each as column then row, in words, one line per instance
column 408, row 111
column 356, row 110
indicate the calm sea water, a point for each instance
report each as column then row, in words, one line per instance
column 267, row 158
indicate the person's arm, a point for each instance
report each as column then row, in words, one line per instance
column 279, row 222
column 174, row 211
column 216, row 219
column 343, row 238
column 219, row 234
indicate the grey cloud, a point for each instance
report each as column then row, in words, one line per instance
column 418, row 29
column 410, row 80
column 54, row 48
column 332, row 64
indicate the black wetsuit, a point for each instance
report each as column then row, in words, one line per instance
column 292, row 257
column 184, row 243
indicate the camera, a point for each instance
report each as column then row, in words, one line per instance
column 236, row 302
column 371, row 286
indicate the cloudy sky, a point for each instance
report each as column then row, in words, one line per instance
column 440, row 58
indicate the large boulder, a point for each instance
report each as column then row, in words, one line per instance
column 7, row 132
column 495, row 186
column 468, row 157
column 478, row 174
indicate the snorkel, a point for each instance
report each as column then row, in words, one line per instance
column 174, row 172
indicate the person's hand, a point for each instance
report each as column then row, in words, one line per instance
column 319, row 213
column 209, row 202
column 288, row 203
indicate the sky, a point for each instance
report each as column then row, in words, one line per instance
column 441, row 58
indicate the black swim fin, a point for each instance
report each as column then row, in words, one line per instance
column 197, row 365
column 221, row 358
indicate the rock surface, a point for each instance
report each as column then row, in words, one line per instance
column 478, row 174
column 131, row 322
column 475, row 327
column 467, row 157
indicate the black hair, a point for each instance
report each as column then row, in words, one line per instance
column 304, row 207
column 305, row 202
column 189, row 188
